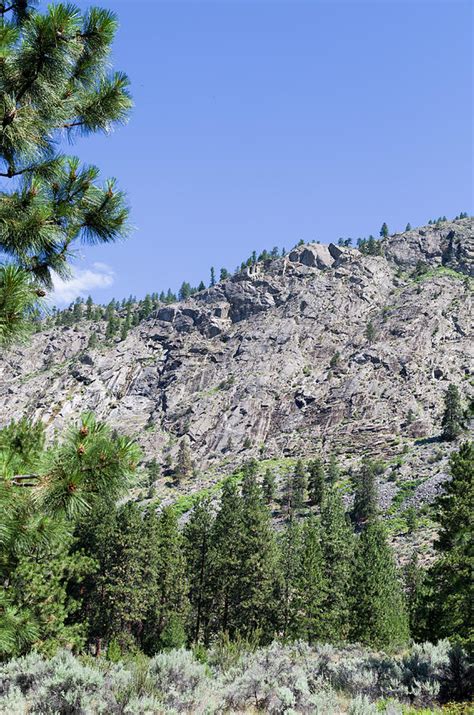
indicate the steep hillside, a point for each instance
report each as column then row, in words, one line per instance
column 324, row 350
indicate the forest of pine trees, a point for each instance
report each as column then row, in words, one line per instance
column 124, row 575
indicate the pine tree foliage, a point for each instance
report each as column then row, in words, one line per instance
column 333, row 470
column 299, row 485
column 121, row 584
column 54, row 80
column 91, row 463
column 311, row 585
column 337, row 550
column 18, row 302
column 370, row 246
column 269, row 486
column 94, row 535
column 379, row 616
column 453, row 415
column 166, row 583
column 316, row 482
column 41, row 491
column 78, row 567
column 290, row 548
column 258, row 559
column 184, row 466
column 21, row 444
column 365, row 499
column 295, row 490
column 225, row 573
column 415, row 589
column 198, row 553
column 450, row 579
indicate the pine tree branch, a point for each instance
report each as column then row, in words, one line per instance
column 10, row 173
column 70, row 125
column 20, row 480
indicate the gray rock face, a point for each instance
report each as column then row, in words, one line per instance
column 449, row 244
column 314, row 255
column 276, row 358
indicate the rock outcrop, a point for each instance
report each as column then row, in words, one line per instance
column 276, row 361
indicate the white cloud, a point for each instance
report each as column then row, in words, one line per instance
column 83, row 280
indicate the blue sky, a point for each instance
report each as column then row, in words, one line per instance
column 258, row 123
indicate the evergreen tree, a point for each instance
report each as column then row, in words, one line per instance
column 184, row 466
column 201, row 286
column 123, row 579
column 111, row 328
column 225, row 561
column 316, row 482
column 337, row 549
column 92, row 342
column 311, row 586
column 197, row 544
column 53, row 79
column 41, row 493
column 290, row 546
column 40, row 589
column 166, row 582
column 379, row 617
column 370, row 246
column 269, row 486
column 89, row 307
column 415, row 578
column 408, row 227
column 333, row 470
column 146, row 307
column 124, row 330
column 258, row 560
column 384, row 230
column 365, row 500
column 411, row 518
column 299, row 485
column 153, row 469
column 184, row 291
column 451, row 590
column 77, row 311
column 224, row 274
column 370, row 332
column 453, row 415
column 213, row 277
column 249, row 473
column 21, row 445
column 128, row 316
column 287, row 495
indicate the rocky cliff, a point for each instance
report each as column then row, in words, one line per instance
column 325, row 349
